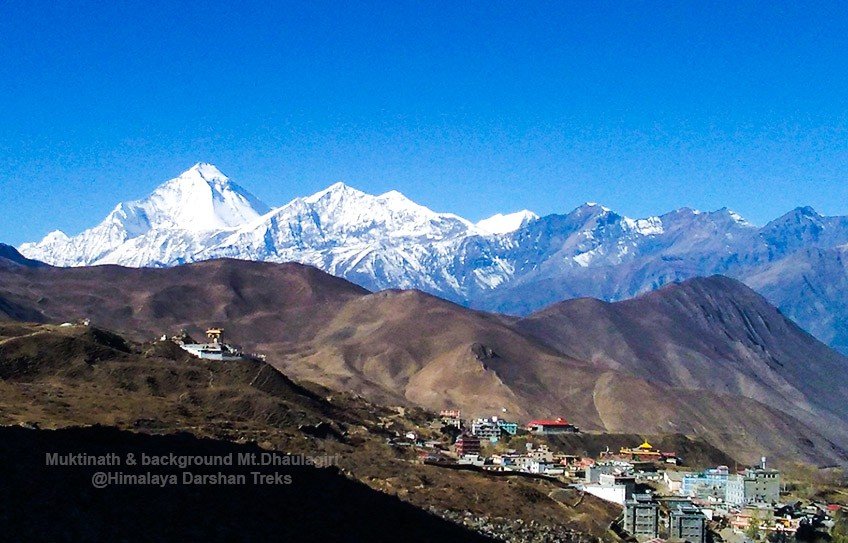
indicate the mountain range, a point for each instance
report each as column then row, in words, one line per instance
column 515, row 264
column 707, row 358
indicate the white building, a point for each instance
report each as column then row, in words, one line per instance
column 215, row 349
column 612, row 488
column 615, row 494
column 674, row 480
column 486, row 429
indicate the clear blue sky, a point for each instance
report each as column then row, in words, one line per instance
column 473, row 108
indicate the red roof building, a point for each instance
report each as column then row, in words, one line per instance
column 551, row 426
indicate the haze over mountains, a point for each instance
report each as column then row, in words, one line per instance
column 515, row 263
column 736, row 373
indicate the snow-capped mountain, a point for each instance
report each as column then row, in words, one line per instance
column 504, row 224
column 174, row 221
column 514, row 263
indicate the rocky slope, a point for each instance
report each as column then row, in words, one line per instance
column 746, row 390
column 58, row 378
column 710, row 334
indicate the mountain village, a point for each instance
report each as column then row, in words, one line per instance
column 660, row 499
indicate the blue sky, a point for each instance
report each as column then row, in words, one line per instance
column 473, row 109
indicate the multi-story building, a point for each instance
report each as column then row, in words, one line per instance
column 542, row 453
column 758, row 485
column 467, row 444
column 593, row 473
column 626, row 481
column 510, row 428
column 493, row 428
column 734, row 491
column 710, row 483
column 506, row 460
column 612, row 488
column 686, row 522
column 486, row 429
column 451, row 417
column 674, row 480
column 642, row 516
column 545, row 468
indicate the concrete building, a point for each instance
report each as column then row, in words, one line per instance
column 551, row 427
column 510, row 428
column 734, row 491
column 466, row 445
column 642, row 516
column 593, row 473
column 759, row 485
column 674, row 480
column 688, row 523
column 543, row 453
column 544, row 468
column 215, row 349
column 486, row 429
column 627, row 481
column 451, row 417
column 615, row 494
column 493, row 428
column 613, row 488
column 507, row 459
column 710, row 483
column 472, row 460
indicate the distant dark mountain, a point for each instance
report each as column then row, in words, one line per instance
column 707, row 358
column 10, row 256
column 812, row 287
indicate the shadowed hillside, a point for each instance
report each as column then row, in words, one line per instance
column 56, row 503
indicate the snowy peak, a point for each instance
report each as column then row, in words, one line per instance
column 335, row 192
column 731, row 216
column 592, row 207
column 512, row 262
column 176, row 215
column 592, row 210
column 56, row 236
column 342, row 202
column 504, row 224
column 343, row 215
column 200, row 199
column 207, row 171
column 799, row 215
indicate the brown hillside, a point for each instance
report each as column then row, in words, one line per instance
column 712, row 334
column 57, row 377
column 412, row 348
